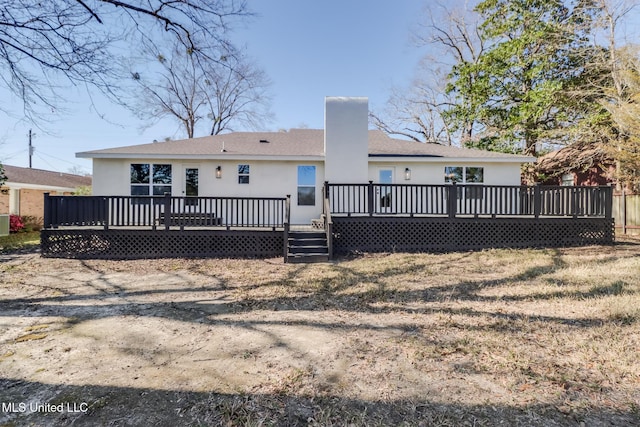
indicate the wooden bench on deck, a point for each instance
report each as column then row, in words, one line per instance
column 197, row 219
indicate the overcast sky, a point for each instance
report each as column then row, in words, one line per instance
column 309, row 50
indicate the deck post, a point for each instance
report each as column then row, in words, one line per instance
column 370, row 203
column 47, row 211
column 328, row 221
column 608, row 204
column 167, row 210
column 537, row 200
column 325, row 194
column 105, row 212
column 287, row 225
column 453, row 200
column 329, row 232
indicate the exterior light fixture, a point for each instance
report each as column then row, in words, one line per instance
column 219, row 172
column 407, row 174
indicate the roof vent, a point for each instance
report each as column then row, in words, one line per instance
column 264, row 141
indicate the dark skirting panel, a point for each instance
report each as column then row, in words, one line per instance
column 401, row 234
column 144, row 244
column 351, row 234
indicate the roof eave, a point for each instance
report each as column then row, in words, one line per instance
column 27, row 186
column 221, row 156
column 374, row 157
column 445, row 159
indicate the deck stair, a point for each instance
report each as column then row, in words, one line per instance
column 307, row 246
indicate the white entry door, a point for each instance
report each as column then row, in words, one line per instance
column 384, row 199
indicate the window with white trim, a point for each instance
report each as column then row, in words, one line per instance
column 150, row 179
column 243, row 174
column 306, row 185
column 464, row 174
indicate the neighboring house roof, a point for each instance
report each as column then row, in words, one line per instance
column 576, row 157
column 28, row 177
column 292, row 144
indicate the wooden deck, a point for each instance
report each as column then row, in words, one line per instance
column 470, row 200
column 356, row 218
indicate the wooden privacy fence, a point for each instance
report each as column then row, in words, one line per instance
column 165, row 211
column 626, row 211
column 458, row 200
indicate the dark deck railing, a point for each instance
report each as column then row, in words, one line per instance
column 454, row 200
column 165, row 211
column 328, row 220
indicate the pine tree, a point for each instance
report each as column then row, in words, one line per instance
column 534, row 52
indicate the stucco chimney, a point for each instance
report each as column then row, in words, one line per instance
column 346, row 139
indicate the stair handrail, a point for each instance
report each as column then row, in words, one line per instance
column 328, row 221
column 287, row 226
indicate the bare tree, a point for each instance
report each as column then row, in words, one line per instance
column 238, row 95
column 417, row 113
column 221, row 93
column 622, row 97
column 611, row 16
column 456, row 36
column 45, row 45
column 451, row 36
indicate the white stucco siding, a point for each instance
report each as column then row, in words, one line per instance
column 111, row 177
column 346, row 139
column 503, row 174
column 432, row 172
column 266, row 179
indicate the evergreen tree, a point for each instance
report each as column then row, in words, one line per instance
column 518, row 92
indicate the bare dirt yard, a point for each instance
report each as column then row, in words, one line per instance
column 501, row 337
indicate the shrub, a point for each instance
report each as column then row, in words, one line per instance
column 15, row 223
column 32, row 223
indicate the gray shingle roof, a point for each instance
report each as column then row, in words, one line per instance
column 297, row 142
column 20, row 175
column 380, row 144
column 292, row 143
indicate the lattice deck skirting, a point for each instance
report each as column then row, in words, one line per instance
column 351, row 234
column 140, row 244
column 387, row 234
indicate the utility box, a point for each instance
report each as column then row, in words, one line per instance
column 4, row 225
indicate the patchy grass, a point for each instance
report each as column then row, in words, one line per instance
column 17, row 242
column 497, row 337
column 557, row 329
column 31, row 337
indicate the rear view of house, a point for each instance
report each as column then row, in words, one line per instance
column 308, row 194
column 295, row 162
